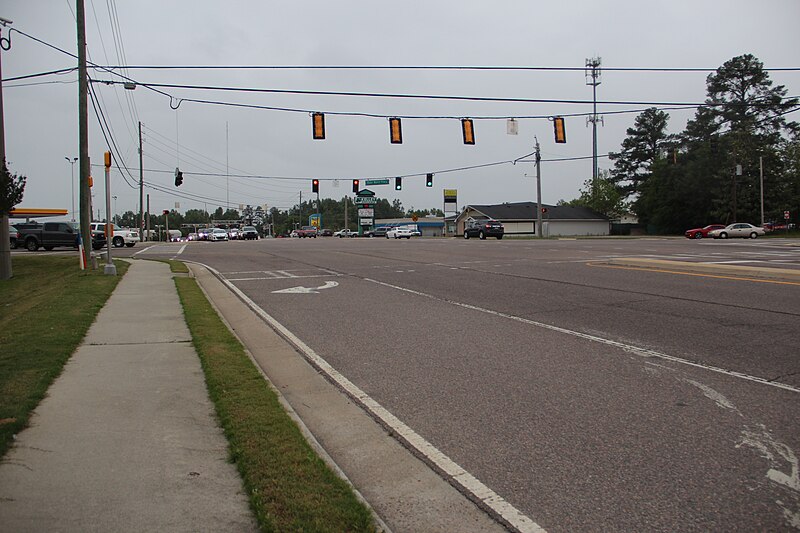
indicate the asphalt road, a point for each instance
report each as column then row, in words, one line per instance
column 590, row 397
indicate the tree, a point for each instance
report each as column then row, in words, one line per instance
column 741, row 126
column 12, row 188
column 606, row 198
column 641, row 149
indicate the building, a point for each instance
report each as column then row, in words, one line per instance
column 429, row 226
column 519, row 218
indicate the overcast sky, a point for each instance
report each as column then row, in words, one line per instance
column 41, row 121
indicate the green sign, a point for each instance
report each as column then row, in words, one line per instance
column 378, row 182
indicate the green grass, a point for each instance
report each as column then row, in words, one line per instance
column 290, row 487
column 46, row 309
column 176, row 267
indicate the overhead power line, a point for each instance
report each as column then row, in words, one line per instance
column 421, row 67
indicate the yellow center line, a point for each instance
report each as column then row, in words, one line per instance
column 735, row 278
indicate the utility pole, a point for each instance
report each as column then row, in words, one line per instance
column 110, row 269
column 147, row 230
column 538, row 190
column 345, row 211
column 5, row 244
column 83, row 136
column 141, row 187
column 593, row 78
column 761, row 176
column 71, row 162
column 227, row 172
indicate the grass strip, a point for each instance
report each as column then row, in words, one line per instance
column 46, row 308
column 290, row 487
column 176, row 267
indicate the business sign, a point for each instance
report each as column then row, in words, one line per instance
column 378, row 182
column 368, row 200
column 450, row 195
column 365, row 221
column 366, row 213
column 786, row 215
column 315, row 220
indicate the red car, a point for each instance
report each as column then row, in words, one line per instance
column 699, row 233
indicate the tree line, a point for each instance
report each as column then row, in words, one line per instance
column 282, row 221
column 711, row 171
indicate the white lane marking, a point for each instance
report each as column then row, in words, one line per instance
column 643, row 352
column 179, row 252
column 307, row 290
column 271, row 276
column 143, row 250
column 467, row 481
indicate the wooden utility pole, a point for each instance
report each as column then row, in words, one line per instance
column 83, row 136
column 5, row 245
column 141, row 188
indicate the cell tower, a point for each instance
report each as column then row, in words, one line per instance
column 593, row 78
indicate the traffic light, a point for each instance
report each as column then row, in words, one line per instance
column 355, row 185
column 178, row 177
column 560, row 130
column 398, row 184
column 318, row 125
column 395, row 131
column 315, row 185
column 429, row 180
column 468, row 131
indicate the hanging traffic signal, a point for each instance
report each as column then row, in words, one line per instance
column 429, row 180
column 178, row 177
column 560, row 130
column 395, row 131
column 318, row 125
column 355, row 185
column 315, row 185
column 468, row 131
column 398, row 184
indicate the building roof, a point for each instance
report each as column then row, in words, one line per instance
column 518, row 211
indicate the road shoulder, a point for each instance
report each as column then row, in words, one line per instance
column 403, row 491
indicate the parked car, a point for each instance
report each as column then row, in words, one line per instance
column 306, row 231
column 218, row 234
column 234, row 234
column 739, row 229
column 380, row 231
column 54, row 234
column 345, row 233
column 249, row 233
column 400, row 232
column 121, row 236
column 699, row 233
column 326, row 232
column 14, row 232
column 482, row 228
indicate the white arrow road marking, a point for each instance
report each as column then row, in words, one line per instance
column 307, row 290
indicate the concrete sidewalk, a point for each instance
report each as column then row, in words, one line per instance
column 126, row 439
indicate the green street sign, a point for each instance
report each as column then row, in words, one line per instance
column 378, row 182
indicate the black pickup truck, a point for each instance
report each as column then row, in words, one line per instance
column 52, row 234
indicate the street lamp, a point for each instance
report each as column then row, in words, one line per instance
column 72, row 161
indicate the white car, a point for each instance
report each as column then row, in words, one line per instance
column 740, row 229
column 218, row 234
column 122, row 236
column 400, row 232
